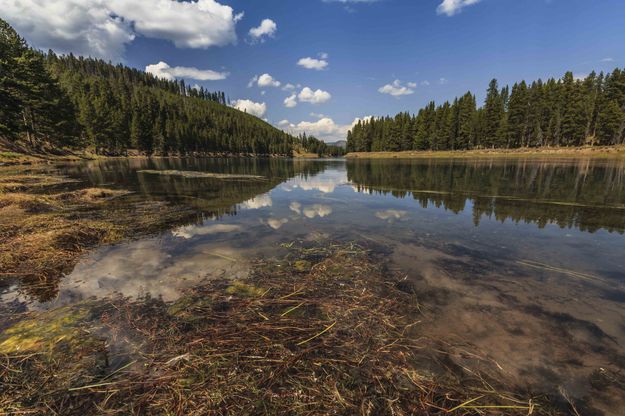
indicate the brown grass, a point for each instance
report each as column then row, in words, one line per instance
column 339, row 337
column 42, row 235
column 593, row 151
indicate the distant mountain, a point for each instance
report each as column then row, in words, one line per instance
column 340, row 143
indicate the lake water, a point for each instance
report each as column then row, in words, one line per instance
column 519, row 262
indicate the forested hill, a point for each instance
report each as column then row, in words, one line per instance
column 75, row 102
column 564, row 112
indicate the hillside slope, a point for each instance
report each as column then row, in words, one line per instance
column 76, row 102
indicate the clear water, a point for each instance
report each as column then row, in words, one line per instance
column 518, row 262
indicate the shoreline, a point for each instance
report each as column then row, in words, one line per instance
column 592, row 151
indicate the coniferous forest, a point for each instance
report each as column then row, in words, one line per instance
column 76, row 102
column 564, row 112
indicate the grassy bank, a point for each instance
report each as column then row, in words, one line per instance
column 592, row 151
column 47, row 222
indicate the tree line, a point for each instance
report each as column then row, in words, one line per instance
column 77, row 102
column 310, row 144
column 562, row 112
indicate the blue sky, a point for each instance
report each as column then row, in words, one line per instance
column 381, row 56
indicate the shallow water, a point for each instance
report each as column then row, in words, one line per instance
column 520, row 263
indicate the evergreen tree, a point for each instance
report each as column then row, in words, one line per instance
column 493, row 113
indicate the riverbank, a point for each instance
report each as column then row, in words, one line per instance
column 587, row 151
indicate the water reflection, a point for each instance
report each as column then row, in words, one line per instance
column 520, row 261
column 584, row 194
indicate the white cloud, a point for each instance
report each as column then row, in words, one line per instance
column 252, row 81
column 290, row 101
column 261, row 201
column 288, row 87
column 317, row 210
column 452, row 7
column 307, row 95
column 443, row 81
column 267, row 28
column 425, row 83
column 607, row 60
column 296, row 207
column 266, row 80
column 312, row 63
column 412, row 84
column 103, row 28
column 163, row 70
column 325, row 128
column 276, row 223
column 251, row 107
column 390, row 214
column 190, row 231
column 396, row 89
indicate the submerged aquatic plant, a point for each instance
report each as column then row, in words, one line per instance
column 335, row 337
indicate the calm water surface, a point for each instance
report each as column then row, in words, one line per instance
column 519, row 262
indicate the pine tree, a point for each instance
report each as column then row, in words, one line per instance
column 493, row 113
column 610, row 122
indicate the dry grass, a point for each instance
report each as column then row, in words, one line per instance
column 340, row 336
column 586, row 151
column 42, row 235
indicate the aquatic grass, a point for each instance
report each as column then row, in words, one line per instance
column 43, row 232
column 337, row 339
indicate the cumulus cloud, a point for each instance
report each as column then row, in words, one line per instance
column 163, row 70
column 266, row 80
column 307, row 95
column 290, row 101
column 452, row 7
column 296, row 207
column 251, row 107
column 324, row 128
column 313, row 63
column 190, row 231
column 266, row 29
column 261, row 201
column 276, row 223
column 103, row 28
column 288, row 87
column 321, row 183
column 397, row 89
column 390, row 215
column 317, row 210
